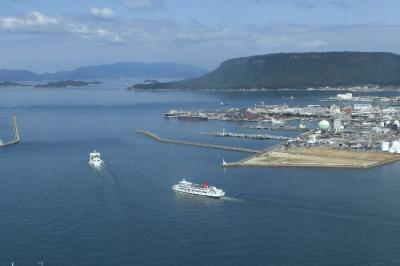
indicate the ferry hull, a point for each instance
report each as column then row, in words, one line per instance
column 96, row 164
column 187, row 191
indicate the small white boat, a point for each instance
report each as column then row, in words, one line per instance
column 95, row 159
column 173, row 114
column 196, row 189
column 223, row 162
column 277, row 122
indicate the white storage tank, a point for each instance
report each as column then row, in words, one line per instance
column 324, row 125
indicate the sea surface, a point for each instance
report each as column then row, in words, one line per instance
column 56, row 209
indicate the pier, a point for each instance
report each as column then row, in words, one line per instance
column 15, row 140
column 248, row 136
column 204, row 145
column 285, row 128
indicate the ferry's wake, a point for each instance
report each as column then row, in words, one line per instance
column 103, row 171
column 232, row 199
column 266, row 204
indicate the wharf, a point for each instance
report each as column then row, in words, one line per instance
column 276, row 128
column 204, row 145
column 248, row 136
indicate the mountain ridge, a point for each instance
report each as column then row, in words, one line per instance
column 295, row 70
column 134, row 69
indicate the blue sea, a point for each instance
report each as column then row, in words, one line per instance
column 56, row 209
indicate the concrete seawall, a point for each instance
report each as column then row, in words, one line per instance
column 204, row 145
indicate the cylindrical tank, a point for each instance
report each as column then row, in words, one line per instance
column 324, row 125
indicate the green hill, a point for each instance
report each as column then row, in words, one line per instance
column 296, row 70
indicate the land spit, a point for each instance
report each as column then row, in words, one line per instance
column 319, row 156
column 280, row 156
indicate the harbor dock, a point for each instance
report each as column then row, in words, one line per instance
column 223, row 133
column 16, row 138
column 204, row 145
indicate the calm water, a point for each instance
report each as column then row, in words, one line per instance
column 55, row 208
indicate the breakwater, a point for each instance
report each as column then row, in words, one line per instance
column 204, row 145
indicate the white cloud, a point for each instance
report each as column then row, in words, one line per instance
column 312, row 44
column 170, row 34
column 104, row 13
column 89, row 33
column 31, row 22
column 144, row 4
column 36, row 22
column 310, row 3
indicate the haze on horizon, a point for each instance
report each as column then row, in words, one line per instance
column 42, row 35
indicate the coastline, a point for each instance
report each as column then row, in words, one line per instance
column 323, row 157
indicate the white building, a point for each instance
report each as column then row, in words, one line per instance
column 337, row 125
column 345, row 96
column 362, row 107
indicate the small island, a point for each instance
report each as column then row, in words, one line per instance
column 146, row 83
column 67, row 83
column 11, row 84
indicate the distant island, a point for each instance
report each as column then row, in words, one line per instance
column 67, row 83
column 110, row 71
column 11, row 84
column 295, row 70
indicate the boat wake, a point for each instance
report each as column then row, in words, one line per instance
column 103, row 171
column 232, row 199
column 320, row 212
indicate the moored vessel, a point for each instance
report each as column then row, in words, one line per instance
column 196, row 189
column 173, row 114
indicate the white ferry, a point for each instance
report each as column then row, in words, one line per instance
column 173, row 114
column 196, row 189
column 95, row 159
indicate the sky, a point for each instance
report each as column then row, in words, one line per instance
column 52, row 35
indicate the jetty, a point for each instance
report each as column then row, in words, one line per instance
column 204, row 145
column 278, row 128
column 15, row 140
column 223, row 133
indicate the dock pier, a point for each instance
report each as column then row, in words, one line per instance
column 223, row 133
column 204, row 145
